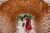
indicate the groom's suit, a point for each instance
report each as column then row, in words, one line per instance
column 28, row 24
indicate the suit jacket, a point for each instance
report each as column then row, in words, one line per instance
column 28, row 24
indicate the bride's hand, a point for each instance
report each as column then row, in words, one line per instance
column 25, row 30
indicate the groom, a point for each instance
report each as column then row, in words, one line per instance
column 28, row 24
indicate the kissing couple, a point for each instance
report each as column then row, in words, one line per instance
column 25, row 27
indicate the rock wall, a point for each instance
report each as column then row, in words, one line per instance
column 44, row 26
column 6, row 25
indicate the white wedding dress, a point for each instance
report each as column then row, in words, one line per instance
column 21, row 30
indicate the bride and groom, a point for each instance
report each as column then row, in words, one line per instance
column 25, row 27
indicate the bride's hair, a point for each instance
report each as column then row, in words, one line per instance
column 21, row 19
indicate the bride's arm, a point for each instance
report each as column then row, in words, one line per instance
column 24, row 28
column 23, row 25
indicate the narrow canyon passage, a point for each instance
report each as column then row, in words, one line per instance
column 11, row 9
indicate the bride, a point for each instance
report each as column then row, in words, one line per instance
column 22, row 28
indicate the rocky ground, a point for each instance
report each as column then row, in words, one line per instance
column 32, row 31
